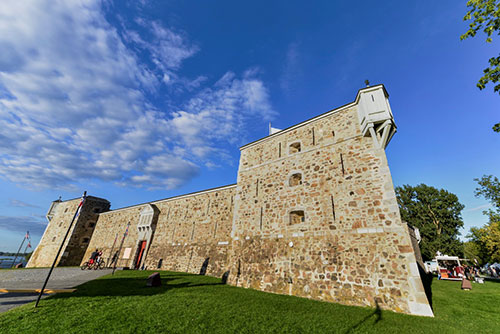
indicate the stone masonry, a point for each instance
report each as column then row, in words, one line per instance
column 60, row 215
column 313, row 214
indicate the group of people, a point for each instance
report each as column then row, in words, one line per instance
column 493, row 270
column 471, row 272
column 96, row 256
column 452, row 270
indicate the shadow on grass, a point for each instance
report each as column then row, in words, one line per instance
column 492, row 280
column 128, row 286
column 8, row 298
column 378, row 317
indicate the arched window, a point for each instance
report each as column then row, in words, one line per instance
column 295, row 179
column 297, row 217
column 294, row 148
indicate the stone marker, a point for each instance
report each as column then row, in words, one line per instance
column 154, row 280
column 466, row 284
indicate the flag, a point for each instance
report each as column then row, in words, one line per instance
column 84, row 197
column 27, row 236
column 273, row 130
column 29, row 244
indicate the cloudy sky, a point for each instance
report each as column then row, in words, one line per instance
column 139, row 100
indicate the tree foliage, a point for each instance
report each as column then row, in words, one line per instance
column 489, row 188
column 475, row 248
column 485, row 16
column 437, row 214
column 486, row 239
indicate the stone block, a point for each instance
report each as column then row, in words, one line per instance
column 466, row 285
column 153, row 280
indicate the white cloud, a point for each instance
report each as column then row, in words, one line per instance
column 477, row 208
column 21, row 204
column 291, row 69
column 34, row 225
column 75, row 100
column 221, row 113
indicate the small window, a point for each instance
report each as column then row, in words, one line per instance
column 294, row 148
column 97, row 210
column 66, row 210
column 295, row 179
column 297, row 217
column 85, row 240
column 91, row 225
column 53, row 239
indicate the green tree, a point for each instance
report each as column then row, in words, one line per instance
column 437, row 214
column 485, row 16
column 489, row 188
column 486, row 239
column 476, row 248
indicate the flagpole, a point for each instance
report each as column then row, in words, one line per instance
column 26, row 248
column 15, row 258
column 112, row 247
column 120, row 248
column 28, row 245
column 60, row 247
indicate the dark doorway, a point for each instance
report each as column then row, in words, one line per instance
column 140, row 252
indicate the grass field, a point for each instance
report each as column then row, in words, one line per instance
column 199, row 304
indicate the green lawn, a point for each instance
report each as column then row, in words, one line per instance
column 199, row 304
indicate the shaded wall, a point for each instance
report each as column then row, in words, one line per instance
column 189, row 230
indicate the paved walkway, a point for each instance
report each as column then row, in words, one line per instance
column 61, row 278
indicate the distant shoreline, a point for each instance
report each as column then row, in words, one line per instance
column 13, row 254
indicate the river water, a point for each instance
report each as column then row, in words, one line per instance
column 6, row 261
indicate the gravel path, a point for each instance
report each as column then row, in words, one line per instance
column 61, row 278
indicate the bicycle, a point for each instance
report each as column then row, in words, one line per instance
column 93, row 265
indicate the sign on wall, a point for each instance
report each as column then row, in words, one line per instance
column 126, row 253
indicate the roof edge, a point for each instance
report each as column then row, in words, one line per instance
column 199, row 192
column 292, row 127
column 72, row 199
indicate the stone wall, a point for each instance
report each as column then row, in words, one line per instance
column 78, row 238
column 313, row 214
column 188, row 230
column 351, row 246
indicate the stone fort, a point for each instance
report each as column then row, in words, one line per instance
column 313, row 214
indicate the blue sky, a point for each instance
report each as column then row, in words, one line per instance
column 140, row 100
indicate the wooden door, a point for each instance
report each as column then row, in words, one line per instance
column 142, row 246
